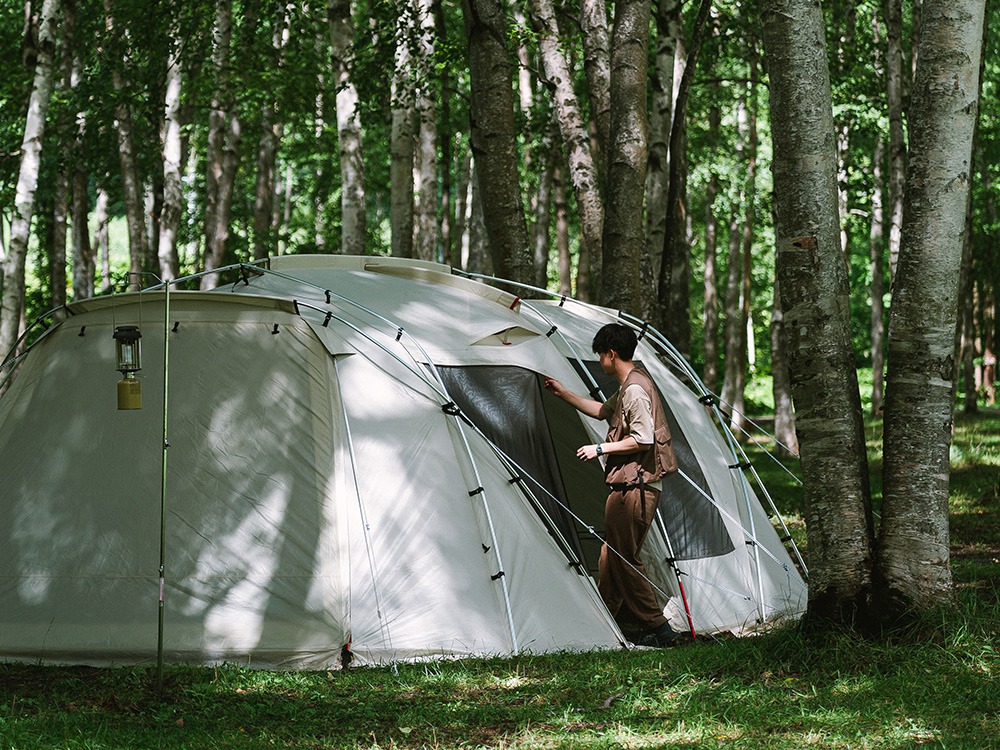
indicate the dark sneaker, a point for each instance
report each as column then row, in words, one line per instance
column 660, row 637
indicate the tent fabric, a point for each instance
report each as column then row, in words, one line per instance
column 360, row 455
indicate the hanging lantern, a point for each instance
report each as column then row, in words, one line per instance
column 127, row 350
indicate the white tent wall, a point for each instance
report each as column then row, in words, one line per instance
column 251, row 563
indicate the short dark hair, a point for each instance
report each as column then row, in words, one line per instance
column 618, row 337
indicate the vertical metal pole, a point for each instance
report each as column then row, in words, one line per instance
column 163, row 490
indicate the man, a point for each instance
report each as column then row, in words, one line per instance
column 638, row 454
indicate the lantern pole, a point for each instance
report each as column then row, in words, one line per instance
column 163, row 489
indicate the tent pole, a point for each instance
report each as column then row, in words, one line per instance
column 163, row 490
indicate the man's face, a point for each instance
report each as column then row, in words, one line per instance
column 607, row 360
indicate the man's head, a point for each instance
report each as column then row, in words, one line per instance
column 617, row 338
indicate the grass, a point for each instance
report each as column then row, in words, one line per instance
column 938, row 687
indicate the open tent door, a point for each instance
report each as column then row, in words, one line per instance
column 507, row 404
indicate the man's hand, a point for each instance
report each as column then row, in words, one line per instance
column 554, row 387
column 587, row 452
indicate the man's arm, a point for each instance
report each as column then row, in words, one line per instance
column 588, row 406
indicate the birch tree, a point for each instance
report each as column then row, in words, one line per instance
column 401, row 138
column 913, row 570
column 425, row 222
column 352, row 169
column 583, row 172
column 493, row 139
column 12, row 290
column 170, row 217
column 814, row 295
column 623, row 239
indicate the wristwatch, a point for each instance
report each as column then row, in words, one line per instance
column 599, row 449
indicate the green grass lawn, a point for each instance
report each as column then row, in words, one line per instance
column 938, row 689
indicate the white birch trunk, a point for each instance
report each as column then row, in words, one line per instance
column 897, row 143
column 173, row 197
column 352, row 171
column 913, row 564
column 583, row 172
column 597, row 66
column 401, row 139
column 12, row 292
column 815, row 299
column 426, row 165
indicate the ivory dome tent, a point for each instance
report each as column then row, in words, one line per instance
column 362, row 459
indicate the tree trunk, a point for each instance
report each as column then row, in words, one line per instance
column 781, row 383
column 913, row 568
column 479, row 260
column 815, row 299
column 583, row 172
column 674, row 267
column 129, row 165
column 173, row 196
column 426, row 167
column 445, row 137
column 352, row 170
column 401, row 139
column 710, row 314
column 623, row 240
column 463, row 206
column 735, row 331
column 83, row 261
column 267, row 150
column 561, row 209
column 225, row 134
column 876, row 254
column 543, row 213
column 597, row 66
column 897, row 143
column 12, row 292
column 669, row 44
column 101, row 220
column 493, row 138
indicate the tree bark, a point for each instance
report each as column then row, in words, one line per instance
column 445, row 137
column 674, row 266
column 710, row 315
column 735, row 329
column 561, row 209
column 12, row 292
column 597, row 66
column 913, row 567
column 897, row 144
column 401, row 138
column 815, row 299
column 426, row 234
column 173, row 196
column 876, row 255
column 225, row 135
column 623, row 239
column 583, row 172
column 493, row 138
column 669, row 44
column 128, row 163
column 781, row 382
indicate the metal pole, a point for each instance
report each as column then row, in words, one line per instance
column 163, row 490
